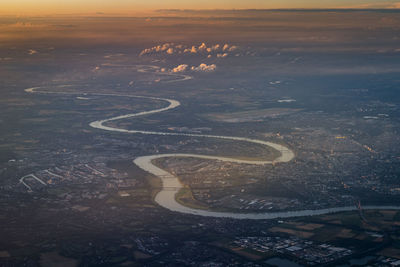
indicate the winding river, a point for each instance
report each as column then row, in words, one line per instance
column 171, row 184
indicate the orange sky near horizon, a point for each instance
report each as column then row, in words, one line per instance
column 47, row 7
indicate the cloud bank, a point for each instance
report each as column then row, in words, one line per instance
column 204, row 67
column 180, row 68
column 170, row 48
column 201, row 68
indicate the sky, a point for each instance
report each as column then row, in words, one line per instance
column 45, row 7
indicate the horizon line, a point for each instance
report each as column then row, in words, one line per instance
column 273, row 9
column 100, row 13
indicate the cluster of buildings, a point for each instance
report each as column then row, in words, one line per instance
column 306, row 251
column 385, row 261
column 248, row 202
column 79, row 174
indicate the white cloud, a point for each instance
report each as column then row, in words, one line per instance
column 222, row 55
column 161, row 48
column 232, row 48
column 180, row 68
column 171, row 48
column 193, row 50
column 170, row 51
column 205, row 67
column 202, row 47
column 158, row 48
column 145, row 51
column 225, row 47
column 32, row 52
column 215, row 47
